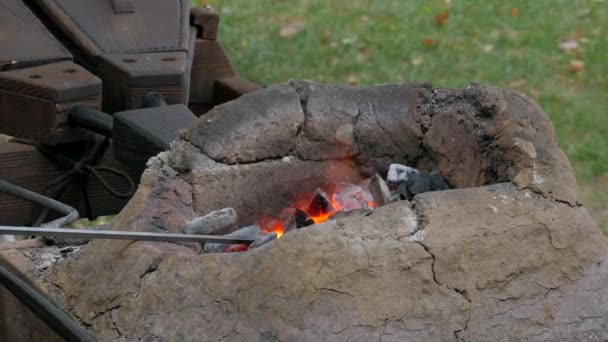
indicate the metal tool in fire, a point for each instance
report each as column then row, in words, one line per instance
column 120, row 235
column 53, row 228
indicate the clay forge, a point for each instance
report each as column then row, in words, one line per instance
column 503, row 252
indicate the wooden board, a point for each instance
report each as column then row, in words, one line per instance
column 35, row 101
column 142, row 133
column 24, row 41
column 23, row 165
column 134, row 46
column 152, row 25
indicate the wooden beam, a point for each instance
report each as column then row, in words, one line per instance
column 35, row 101
column 25, row 166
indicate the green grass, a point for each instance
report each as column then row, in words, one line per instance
column 368, row 42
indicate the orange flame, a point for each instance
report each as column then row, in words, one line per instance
column 271, row 224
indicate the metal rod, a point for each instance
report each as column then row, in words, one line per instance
column 55, row 318
column 120, row 235
column 70, row 213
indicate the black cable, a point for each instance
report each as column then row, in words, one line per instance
column 52, row 316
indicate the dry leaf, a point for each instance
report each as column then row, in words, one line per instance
column 292, row 28
column 576, row 65
column 518, row 83
column 515, row 12
column 568, row 45
column 327, row 34
column 429, row 41
column 416, row 61
column 352, row 79
column 487, row 48
column 580, row 34
column 441, row 18
column 364, row 55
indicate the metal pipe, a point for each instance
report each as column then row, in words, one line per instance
column 55, row 318
column 70, row 213
column 122, row 235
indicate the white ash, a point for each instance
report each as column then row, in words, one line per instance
column 398, row 173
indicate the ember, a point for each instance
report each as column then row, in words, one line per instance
column 402, row 183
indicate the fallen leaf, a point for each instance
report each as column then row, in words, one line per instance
column 515, row 12
column 352, row 79
column 292, row 28
column 364, row 55
column 416, row 61
column 580, row 34
column 577, row 65
column 429, row 41
column 349, row 40
column 441, row 18
column 327, row 34
column 518, row 83
column 568, row 45
column 487, row 48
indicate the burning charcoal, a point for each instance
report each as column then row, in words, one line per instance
column 288, row 218
column 214, row 223
column 348, row 196
column 320, row 205
column 398, row 174
column 264, row 239
column 302, row 219
column 438, row 182
column 418, row 183
column 250, row 232
column 401, row 192
column 380, row 191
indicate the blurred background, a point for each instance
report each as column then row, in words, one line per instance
column 554, row 51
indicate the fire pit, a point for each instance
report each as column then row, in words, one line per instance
column 506, row 253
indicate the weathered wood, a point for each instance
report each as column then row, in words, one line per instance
column 123, row 6
column 156, row 25
column 35, row 101
column 134, row 52
column 210, row 63
column 206, row 20
column 24, row 41
column 142, row 133
column 230, row 88
column 24, row 166
column 128, row 78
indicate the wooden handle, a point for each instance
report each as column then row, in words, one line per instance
column 92, row 119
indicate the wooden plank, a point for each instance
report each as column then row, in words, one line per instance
column 230, row 88
column 24, row 41
column 206, row 20
column 123, row 6
column 133, row 52
column 57, row 82
column 24, row 166
column 210, row 63
column 35, row 101
column 128, row 78
column 156, row 25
